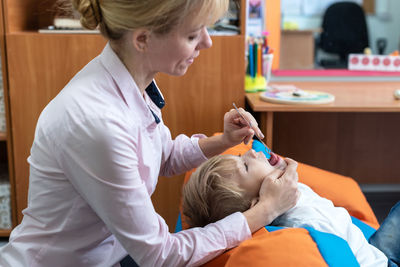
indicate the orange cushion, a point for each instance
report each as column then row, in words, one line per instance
column 279, row 248
column 295, row 247
column 291, row 247
column 343, row 191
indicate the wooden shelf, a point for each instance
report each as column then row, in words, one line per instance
column 3, row 136
column 5, row 232
column 31, row 15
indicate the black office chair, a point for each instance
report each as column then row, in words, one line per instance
column 344, row 31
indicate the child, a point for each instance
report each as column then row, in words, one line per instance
column 226, row 184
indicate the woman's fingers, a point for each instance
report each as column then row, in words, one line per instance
column 281, row 194
column 291, row 170
column 244, row 119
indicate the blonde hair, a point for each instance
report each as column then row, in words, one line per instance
column 115, row 17
column 210, row 194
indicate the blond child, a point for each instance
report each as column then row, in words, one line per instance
column 226, row 184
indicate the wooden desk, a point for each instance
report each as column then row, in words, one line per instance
column 349, row 97
column 345, row 136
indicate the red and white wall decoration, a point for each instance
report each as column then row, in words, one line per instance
column 374, row 62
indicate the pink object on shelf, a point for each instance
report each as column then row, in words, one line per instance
column 334, row 72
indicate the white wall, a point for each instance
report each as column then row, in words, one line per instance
column 385, row 23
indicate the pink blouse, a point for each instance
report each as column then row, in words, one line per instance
column 94, row 164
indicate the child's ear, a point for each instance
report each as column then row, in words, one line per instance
column 254, row 201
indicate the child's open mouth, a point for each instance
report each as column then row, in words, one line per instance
column 274, row 159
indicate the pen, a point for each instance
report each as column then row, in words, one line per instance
column 255, row 57
column 259, row 60
column 251, row 57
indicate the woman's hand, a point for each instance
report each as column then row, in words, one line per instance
column 281, row 194
column 276, row 197
column 237, row 130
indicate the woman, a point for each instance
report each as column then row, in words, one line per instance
column 101, row 144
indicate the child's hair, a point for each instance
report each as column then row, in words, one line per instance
column 210, row 194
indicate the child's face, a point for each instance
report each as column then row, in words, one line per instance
column 253, row 167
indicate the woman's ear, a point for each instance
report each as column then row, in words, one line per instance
column 140, row 39
column 254, row 201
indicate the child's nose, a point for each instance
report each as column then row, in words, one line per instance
column 260, row 154
column 252, row 153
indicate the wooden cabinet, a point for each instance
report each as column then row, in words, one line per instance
column 5, row 139
column 39, row 65
column 297, row 48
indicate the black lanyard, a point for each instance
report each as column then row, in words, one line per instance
column 155, row 96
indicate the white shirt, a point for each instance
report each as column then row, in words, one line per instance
column 319, row 213
column 94, row 164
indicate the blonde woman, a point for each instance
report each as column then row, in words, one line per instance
column 101, row 144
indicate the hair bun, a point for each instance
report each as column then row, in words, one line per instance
column 90, row 13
